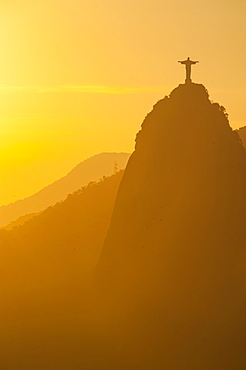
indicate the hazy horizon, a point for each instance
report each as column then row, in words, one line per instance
column 123, row 184
column 78, row 77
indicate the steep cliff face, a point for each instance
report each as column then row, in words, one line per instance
column 242, row 134
column 174, row 256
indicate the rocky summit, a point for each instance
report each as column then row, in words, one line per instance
column 171, row 278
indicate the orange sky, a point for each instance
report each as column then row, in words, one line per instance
column 78, row 77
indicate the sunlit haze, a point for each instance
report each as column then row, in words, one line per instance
column 78, row 77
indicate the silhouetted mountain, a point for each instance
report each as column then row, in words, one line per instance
column 242, row 133
column 91, row 169
column 46, row 269
column 67, row 227
column 170, row 284
column 171, row 277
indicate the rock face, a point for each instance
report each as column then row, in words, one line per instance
column 172, row 269
column 242, row 134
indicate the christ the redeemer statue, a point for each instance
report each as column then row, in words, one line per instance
column 188, row 64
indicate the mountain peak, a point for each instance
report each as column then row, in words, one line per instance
column 177, row 235
column 190, row 90
column 186, row 114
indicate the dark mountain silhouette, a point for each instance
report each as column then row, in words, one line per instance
column 91, row 169
column 242, row 133
column 170, row 282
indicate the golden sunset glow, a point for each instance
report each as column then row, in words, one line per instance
column 77, row 76
column 123, row 184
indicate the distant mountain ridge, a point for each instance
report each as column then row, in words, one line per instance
column 20, row 221
column 91, row 169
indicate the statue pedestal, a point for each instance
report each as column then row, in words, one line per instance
column 188, row 81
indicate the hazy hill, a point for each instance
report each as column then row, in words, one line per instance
column 91, row 169
column 171, row 277
column 46, row 269
column 75, row 227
